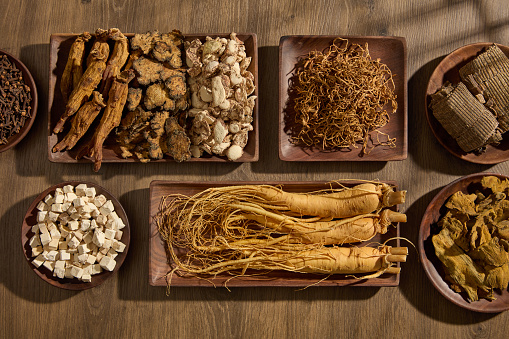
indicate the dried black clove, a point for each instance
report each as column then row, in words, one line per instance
column 15, row 100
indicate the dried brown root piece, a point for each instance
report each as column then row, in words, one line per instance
column 132, row 130
column 177, row 142
column 153, row 146
column 74, row 67
column 157, row 97
column 176, row 86
column 150, row 71
column 164, row 47
column 117, row 59
column 110, row 118
column 81, row 122
column 134, row 98
column 91, row 77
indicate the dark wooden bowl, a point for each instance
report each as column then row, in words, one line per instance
column 159, row 266
column 59, row 50
column 72, row 284
column 392, row 51
column 448, row 70
column 13, row 140
column 430, row 262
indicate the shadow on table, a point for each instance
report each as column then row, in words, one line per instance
column 424, row 148
column 17, row 275
column 415, row 285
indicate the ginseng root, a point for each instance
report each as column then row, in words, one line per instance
column 117, row 59
column 74, row 67
column 81, row 122
column 110, row 118
column 93, row 74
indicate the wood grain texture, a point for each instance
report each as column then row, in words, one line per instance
column 126, row 305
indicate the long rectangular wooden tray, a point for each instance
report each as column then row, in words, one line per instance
column 59, row 50
column 159, row 266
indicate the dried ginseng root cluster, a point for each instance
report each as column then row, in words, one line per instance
column 221, row 96
column 475, row 112
column 90, row 88
column 473, row 243
column 340, row 98
column 232, row 229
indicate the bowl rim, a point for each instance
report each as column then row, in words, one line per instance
column 64, row 283
column 30, row 82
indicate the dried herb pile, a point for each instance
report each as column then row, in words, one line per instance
column 475, row 111
column 341, row 94
column 15, row 100
column 473, row 243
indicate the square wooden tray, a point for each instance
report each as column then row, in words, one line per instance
column 392, row 51
column 59, row 50
column 158, row 261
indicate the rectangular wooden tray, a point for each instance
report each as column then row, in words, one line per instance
column 159, row 266
column 392, row 51
column 59, row 50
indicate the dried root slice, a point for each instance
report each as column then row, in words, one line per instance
column 110, row 118
column 81, row 122
column 74, row 67
column 471, row 124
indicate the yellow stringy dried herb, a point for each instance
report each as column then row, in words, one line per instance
column 341, row 94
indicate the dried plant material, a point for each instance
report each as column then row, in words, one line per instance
column 235, row 228
column 110, row 119
column 159, row 92
column 116, row 61
column 96, row 64
column 461, row 268
column 340, row 98
column 81, row 122
column 221, row 95
column 470, row 243
column 487, row 77
column 468, row 121
column 74, row 66
column 177, row 142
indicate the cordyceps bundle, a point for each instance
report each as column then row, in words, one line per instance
column 341, row 95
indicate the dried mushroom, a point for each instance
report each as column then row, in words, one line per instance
column 221, row 88
column 472, row 242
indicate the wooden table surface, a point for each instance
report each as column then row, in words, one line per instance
column 126, row 305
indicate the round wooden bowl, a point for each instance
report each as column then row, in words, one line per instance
column 448, row 70
column 29, row 81
column 72, row 284
column 433, row 266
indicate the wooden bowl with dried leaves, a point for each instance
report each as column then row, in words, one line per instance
column 433, row 266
